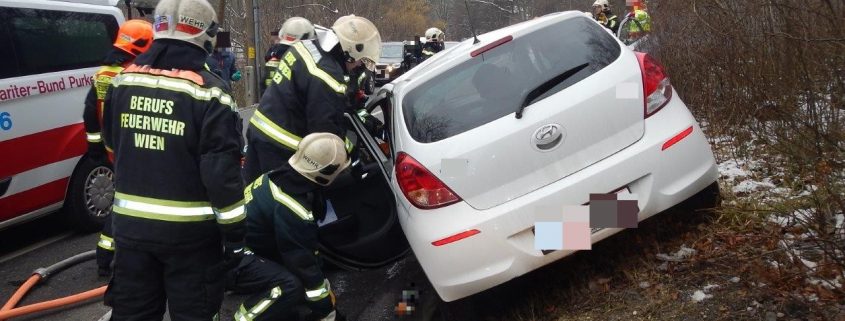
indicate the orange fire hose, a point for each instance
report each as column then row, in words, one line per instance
column 20, row 293
column 52, row 304
column 9, row 311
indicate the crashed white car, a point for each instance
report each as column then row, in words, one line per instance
column 484, row 136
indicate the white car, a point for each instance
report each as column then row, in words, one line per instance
column 483, row 137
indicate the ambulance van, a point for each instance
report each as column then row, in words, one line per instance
column 49, row 51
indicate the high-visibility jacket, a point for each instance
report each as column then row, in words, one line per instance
column 92, row 115
column 176, row 136
column 307, row 95
column 643, row 19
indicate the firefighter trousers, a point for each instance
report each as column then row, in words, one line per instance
column 282, row 232
column 191, row 283
column 105, row 248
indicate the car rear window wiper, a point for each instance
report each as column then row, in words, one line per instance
column 546, row 86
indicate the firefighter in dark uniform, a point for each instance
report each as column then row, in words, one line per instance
column 292, row 31
column 361, row 84
column 308, row 94
column 133, row 38
column 434, row 42
column 282, row 271
column 603, row 14
column 178, row 206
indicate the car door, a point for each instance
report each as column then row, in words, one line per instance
column 361, row 229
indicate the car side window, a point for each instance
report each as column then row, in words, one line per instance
column 49, row 40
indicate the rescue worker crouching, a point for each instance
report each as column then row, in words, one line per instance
column 292, row 31
column 283, row 269
column 178, row 209
column 309, row 94
column 434, row 42
column 133, row 38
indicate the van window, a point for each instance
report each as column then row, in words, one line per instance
column 49, row 41
column 8, row 61
column 527, row 69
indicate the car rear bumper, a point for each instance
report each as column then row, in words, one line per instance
column 505, row 247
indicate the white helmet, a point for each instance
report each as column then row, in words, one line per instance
column 320, row 157
column 192, row 21
column 359, row 38
column 434, row 34
column 602, row 3
column 295, row 29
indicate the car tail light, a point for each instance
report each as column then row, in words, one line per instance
column 421, row 188
column 656, row 85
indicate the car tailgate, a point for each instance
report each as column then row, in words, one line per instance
column 589, row 107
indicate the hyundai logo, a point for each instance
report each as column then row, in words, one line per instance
column 547, row 137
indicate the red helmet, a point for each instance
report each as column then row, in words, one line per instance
column 134, row 37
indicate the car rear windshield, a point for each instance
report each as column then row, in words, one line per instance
column 496, row 83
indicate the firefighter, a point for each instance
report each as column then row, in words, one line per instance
column 178, row 205
column 603, row 14
column 282, row 270
column 433, row 42
column 292, row 31
column 361, row 84
column 309, row 94
column 133, row 38
column 640, row 25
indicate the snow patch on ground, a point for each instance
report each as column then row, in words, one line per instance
column 757, row 178
column 681, row 255
column 709, row 287
column 699, row 296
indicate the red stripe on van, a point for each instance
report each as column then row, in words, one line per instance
column 33, row 199
column 32, row 151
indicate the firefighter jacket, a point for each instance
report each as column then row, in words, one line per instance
column 431, row 48
column 92, row 115
column 271, row 63
column 609, row 20
column 307, row 95
column 176, row 136
column 641, row 20
column 360, row 85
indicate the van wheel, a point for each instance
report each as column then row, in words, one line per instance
column 90, row 195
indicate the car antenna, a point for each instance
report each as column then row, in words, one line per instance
column 471, row 27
